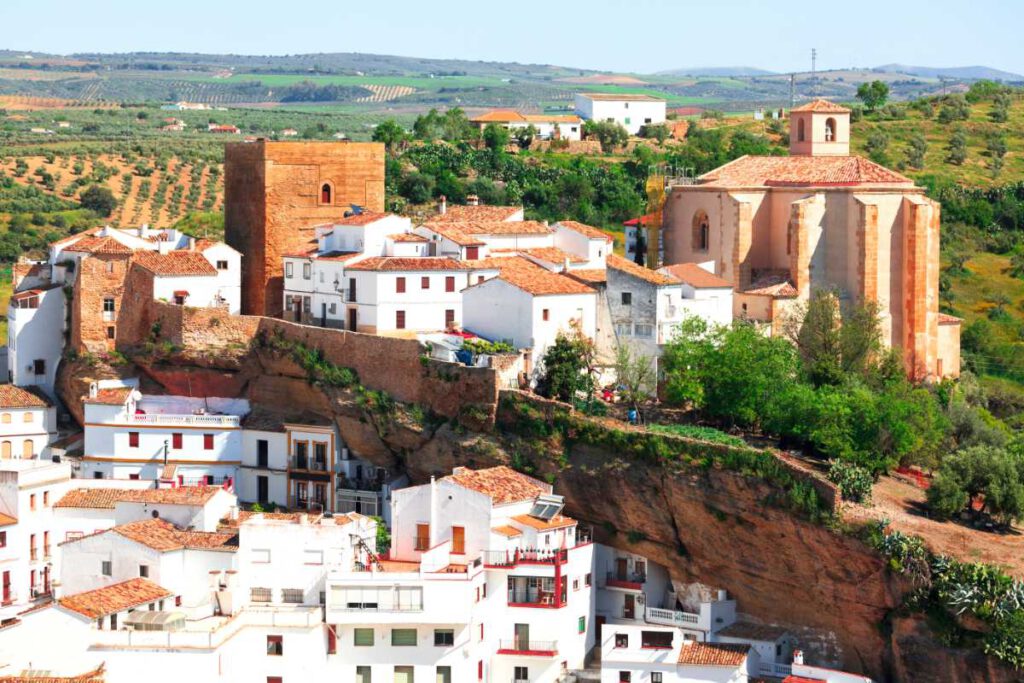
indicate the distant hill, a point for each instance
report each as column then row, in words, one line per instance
column 957, row 72
column 718, row 72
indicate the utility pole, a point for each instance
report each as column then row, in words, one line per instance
column 814, row 71
column 792, row 90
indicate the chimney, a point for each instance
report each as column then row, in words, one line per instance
column 723, row 595
column 442, row 205
column 798, row 657
column 144, row 231
column 94, row 389
column 472, row 200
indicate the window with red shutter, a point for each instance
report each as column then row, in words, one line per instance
column 472, row 253
column 425, row 282
column 133, row 439
column 449, row 318
column 449, row 283
column 400, row 320
column 208, row 442
column 176, row 440
column 400, row 285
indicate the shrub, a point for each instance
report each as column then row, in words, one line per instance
column 854, row 482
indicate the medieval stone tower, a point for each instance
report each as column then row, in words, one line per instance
column 275, row 193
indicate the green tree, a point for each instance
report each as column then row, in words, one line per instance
column 567, row 368
column 832, row 346
column 956, row 151
column 984, row 477
column 496, row 137
column 418, row 188
column 877, row 146
column 525, row 136
column 655, row 131
column 634, row 373
column 873, row 94
column 608, row 133
column 917, row 147
column 391, row 133
column 98, row 199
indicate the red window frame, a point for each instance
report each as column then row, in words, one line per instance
column 400, row 285
column 176, row 440
column 400, row 320
column 449, row 283
column 425, row 282
column 208, row 442
column 133, row 439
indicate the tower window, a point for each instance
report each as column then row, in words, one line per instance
column 800, row 135
column 701, row 231
column 830, row 130
column 325, row 193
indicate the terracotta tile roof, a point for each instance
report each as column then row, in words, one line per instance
column 552, row 255
column 408, row 263
column 556, row 522
column 163, row 536
column 99, row 245
column 452, row 232
column 94, row 676
column 713, row 654
column 466, row 212
column 537, row 280
column 499, row 116
column 106, row 499
column 697, row 277
column 264, row 419
column 615, row 97
column 587, row 230
column 553, row 118
column 623, row 265
column 503, row 484
column 202, row 244
column 506, row 530
column 7, row 520
column 593, row 276
column 489, row 227
column 407, row 237
column 226, row 524
column 112, row 397
column 802, row 679
column 800, row 171
column 822, row 106
column 175, row 263
column 22, row 397
column 76, row 236
column 946, row 319
column 116, row 598
column 364, row 218
column 35, row 291
column 773, row 285
column 750, row 631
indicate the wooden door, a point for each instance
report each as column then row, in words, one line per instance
column 629, row 607
column 458, row 540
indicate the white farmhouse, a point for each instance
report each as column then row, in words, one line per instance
column 632, row 112
column 28, row 423
column 548, row 126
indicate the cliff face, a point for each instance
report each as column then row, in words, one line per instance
column 713, row 526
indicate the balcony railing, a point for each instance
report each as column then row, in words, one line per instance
column 532, row 598
column 306, row 463
column 774, row 670
column 668, row 617
column 628, row 580
column 185, row 420
column 359, row 484
column 512, row 558
column 528, row 646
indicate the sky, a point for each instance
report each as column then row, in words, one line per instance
column 642, row 36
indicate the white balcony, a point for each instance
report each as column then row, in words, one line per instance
column 170, row 420
column 669, row 617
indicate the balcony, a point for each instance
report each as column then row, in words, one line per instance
column 528, row 647
column 513, row 558
column 669, row 617
column 774, row 670
column 165, row 419
column 627, row 580
column 307, row 464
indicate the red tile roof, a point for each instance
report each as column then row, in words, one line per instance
column 364, row 218
column 503, row 484
column 175, row 263
column 22, row 397
column 409, row 263
column 407, row 237
column 802, row 679
column 112, row 397
column 105, row 499
column 452, row 232
column 593, row 276
column 537, row 280
column 163, row 536
column 623, row 265
column 94, row 676
column 774, row 286
column 695, row 276
column 506, row 530
column 587, row 230
column 99, row 245
column 800, row 171
column 616, row 97
column 946, row 319
column 556, row 522
column 116, row 598
column 466, row 212
column 552, row 118
column 76, row 236
column 713, row 654
column 491, row 227
column 552, row 255
column 499, row 116
column 822, row 106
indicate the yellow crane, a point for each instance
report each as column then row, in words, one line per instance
column 655, row 207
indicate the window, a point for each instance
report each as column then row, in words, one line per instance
column 352, row 289
column 655, row 677
column 481, row 632
column 208, row 442
column 700, row 231
column 362, row 637
column 108, row 309
column 275, row 646
column 581, row 625
column 288, row 272
column 222, row 265
column 400, row 285
column 659, row 640
column 425, row 282
column 449, row 283
column 403, row 637
column 472, row 253
column 28, row 417
column 403, row 674
column 586, row 579
column 449, row 318
column 259, row 594
column 830, row 130
column 39, row 368
column 262, row 453
column 307, row 271
column 363, row 674
column 624, row 677
column 400, row 320
column 576, row 584
column 648, row 120
column 444, row 637
column 444, row 674
column 623, row 329
column 176, row 440
column 522, row 675
column 644, row 330
column 422, row 537
column 480, row 670
column 6, row 418
column 622, row 640
column 291, row 596
column 110, row 333
column 545, row 314
column 3, row 539
column 325, row 193
column 800, row 134
column 32, row 501
column 144, row 571
column 313, row 557
column 627, row 298
column 274, row 679
column 28, row 449
column 106, row 568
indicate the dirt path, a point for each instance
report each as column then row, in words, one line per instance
column 904, row 505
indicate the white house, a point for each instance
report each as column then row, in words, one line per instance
column 28, row 423
column 629, row 111
column 548, row 126
column 35, row 334
column 652, row 654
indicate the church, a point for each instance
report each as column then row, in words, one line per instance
column 780, row 227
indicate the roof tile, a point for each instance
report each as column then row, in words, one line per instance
column 22, row 397
column 175, row 263
column 712, row 654
column 106, row 499
column 503, row 484
column 587, row 230
column 695, row 276
column 623, row 265
column 409, row 263
column 821, row 105
column 116, row 598
column 800, row 171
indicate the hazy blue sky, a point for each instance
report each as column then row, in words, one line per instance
column 633, row 35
